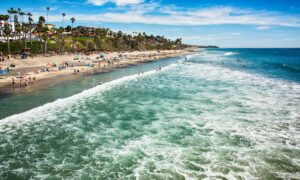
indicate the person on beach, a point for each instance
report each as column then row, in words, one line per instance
column 29, row 79
column 1, row 56
column 13, row 81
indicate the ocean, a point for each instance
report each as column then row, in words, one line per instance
column 227, row 114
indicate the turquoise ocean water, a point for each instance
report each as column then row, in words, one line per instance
column 232, row 114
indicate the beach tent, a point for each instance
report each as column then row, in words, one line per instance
column 4, row 72
column 101, row 55
column 77, row 57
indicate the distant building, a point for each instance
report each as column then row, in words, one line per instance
column 91, row 30
column 67, row 33
column 2, row 24
column 50, row 26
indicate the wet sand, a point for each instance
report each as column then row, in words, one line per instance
column 29, row 68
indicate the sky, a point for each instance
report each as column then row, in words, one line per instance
column 226, row 23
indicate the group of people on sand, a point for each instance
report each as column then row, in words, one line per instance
column 24, row 81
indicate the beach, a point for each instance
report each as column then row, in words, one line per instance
column 47, row 70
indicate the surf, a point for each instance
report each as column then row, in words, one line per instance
column 30, row 115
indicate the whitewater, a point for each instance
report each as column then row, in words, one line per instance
column 222, row 116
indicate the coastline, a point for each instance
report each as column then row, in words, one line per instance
column 86, row 65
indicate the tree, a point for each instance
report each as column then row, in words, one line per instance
column 42, row 30
column 30, row 20
column 178, row 41
column 76, row 35
column 62, row 30
column 17, row 26
column 21, row 17
column 63, row 20
column 19, row 12
column 41, row 22
column 4, row 17
column 48, row 9
column 68, row 28
column 72, row 21
column 10, row 12
column 7, row 33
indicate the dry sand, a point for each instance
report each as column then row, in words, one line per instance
column 30, row 67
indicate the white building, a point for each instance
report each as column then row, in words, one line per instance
column 2, row 24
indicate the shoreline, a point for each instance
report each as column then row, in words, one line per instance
column 55, row 76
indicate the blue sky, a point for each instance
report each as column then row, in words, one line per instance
column 226, row 23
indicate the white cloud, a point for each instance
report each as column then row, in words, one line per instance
column 263, row 27
column 117, row 2
column 153, row 13
column 210, row 37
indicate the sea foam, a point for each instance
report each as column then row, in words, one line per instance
column 35, row 113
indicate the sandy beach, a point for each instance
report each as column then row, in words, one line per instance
column 42, row 71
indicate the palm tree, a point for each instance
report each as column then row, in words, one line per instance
column 19, row 12
column 22, row 28
column 62, row 38
column 7, row 31
column 25, row 28
column 76, row 35
column 63, row 21
column 17, row 26
column 21, row 17
column 30, row 20
column 41, row 30
column 72, row 20
column 10, row 12
column 41, row 22
column 48, row 9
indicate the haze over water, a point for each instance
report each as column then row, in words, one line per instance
column 239, row 119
